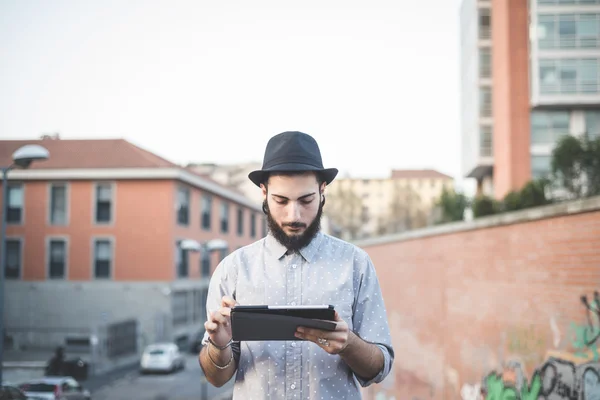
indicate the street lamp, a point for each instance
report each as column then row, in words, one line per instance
column 22, row 158
column 211, row 245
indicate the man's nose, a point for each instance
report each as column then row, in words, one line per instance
column 294, row 211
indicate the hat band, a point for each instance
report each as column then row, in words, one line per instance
column 293, row 160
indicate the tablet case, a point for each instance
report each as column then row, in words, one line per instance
column 252, row 323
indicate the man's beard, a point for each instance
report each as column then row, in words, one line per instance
column 294, row 242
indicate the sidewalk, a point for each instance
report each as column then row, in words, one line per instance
column 93, row 383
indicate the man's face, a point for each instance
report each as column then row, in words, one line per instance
column 294, row 207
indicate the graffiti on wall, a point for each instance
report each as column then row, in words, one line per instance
column 558, row 378
column 587, row 335
column 555, row 380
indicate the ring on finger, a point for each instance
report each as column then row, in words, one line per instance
column 323, row 342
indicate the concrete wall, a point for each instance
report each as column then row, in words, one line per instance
column 41, row 315
column 494, row 303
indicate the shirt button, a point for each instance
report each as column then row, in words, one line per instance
column 293, row 386
column 293, row 344
column 293, row 265
column 293, row 303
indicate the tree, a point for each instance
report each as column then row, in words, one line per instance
column 567, row 164
column 345, row 211
column 533, row 194
column 484, row 205
column 404, row 211
column 591, row 165
column 452, row 206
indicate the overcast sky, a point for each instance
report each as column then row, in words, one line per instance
column 375, row 82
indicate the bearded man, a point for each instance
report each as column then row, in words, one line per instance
column 297, row 264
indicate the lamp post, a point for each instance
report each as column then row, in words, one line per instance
column 22, row 158
column 211, row 245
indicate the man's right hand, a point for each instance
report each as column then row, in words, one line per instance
column 219, row 324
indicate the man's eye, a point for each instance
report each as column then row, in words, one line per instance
column 281, row 201
column 306, row 201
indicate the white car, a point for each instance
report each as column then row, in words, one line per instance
column 55, row 388
column 161, row 357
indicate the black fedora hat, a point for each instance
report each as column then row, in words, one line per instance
column 292, row 152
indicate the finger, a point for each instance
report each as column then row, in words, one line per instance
column 217, row 317
column 225, row 311
column 336, row 317
column 210, row 326
column 227, row 301
column 313, row 332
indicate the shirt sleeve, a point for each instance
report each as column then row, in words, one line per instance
column 222, row 283
column 370, row 317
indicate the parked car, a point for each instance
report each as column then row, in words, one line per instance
column 9, row 392
column 161, row 357
column 55, row 388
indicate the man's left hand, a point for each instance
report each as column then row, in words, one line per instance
column 333, row 342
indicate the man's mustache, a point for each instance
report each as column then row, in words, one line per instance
column 295, row 225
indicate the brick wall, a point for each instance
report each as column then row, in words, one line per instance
column 494, row 304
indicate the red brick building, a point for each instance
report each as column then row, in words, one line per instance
column 100, row 224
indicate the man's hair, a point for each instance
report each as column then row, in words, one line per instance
column 318, row 175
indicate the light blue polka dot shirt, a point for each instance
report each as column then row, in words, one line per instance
column 327, row 271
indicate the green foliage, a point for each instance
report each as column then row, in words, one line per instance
column 484, row 205
column 576, row 165
column 567, row 167
column 533, row 194
column 452, row 206
column 591, row 165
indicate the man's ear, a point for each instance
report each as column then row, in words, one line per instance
column 264, row 190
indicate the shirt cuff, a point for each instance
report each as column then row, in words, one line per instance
column 387, row 366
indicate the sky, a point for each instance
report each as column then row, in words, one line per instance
column 375, row 82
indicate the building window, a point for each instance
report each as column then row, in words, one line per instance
column 58, row 204
column 181, row 261
column 485, row 63
column 592, row 123
column 103, row 254
column 485, row 102
column 224, row 217
column 240, row 221
column 569, row 76
column 541, row 166
column 206, row 210
column 485, row 23
column 548, row 126
column 14, row 259
column 183, row 205
column 180, row 307
column 15, row 203
column 205, row 264
column 198, row 306
column 104, row 200
column 57, row 259
column 485, row 141
column 568, row 31
column 252, row 225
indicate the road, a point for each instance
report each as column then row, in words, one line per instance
column 181, row 385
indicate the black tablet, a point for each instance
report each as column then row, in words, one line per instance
column 263, row 322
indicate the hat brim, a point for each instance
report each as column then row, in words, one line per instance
column 257, row 177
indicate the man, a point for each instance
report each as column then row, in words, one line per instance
column 56, row 364
column 296, row 264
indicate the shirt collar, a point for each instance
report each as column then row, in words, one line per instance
column 309, row 252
